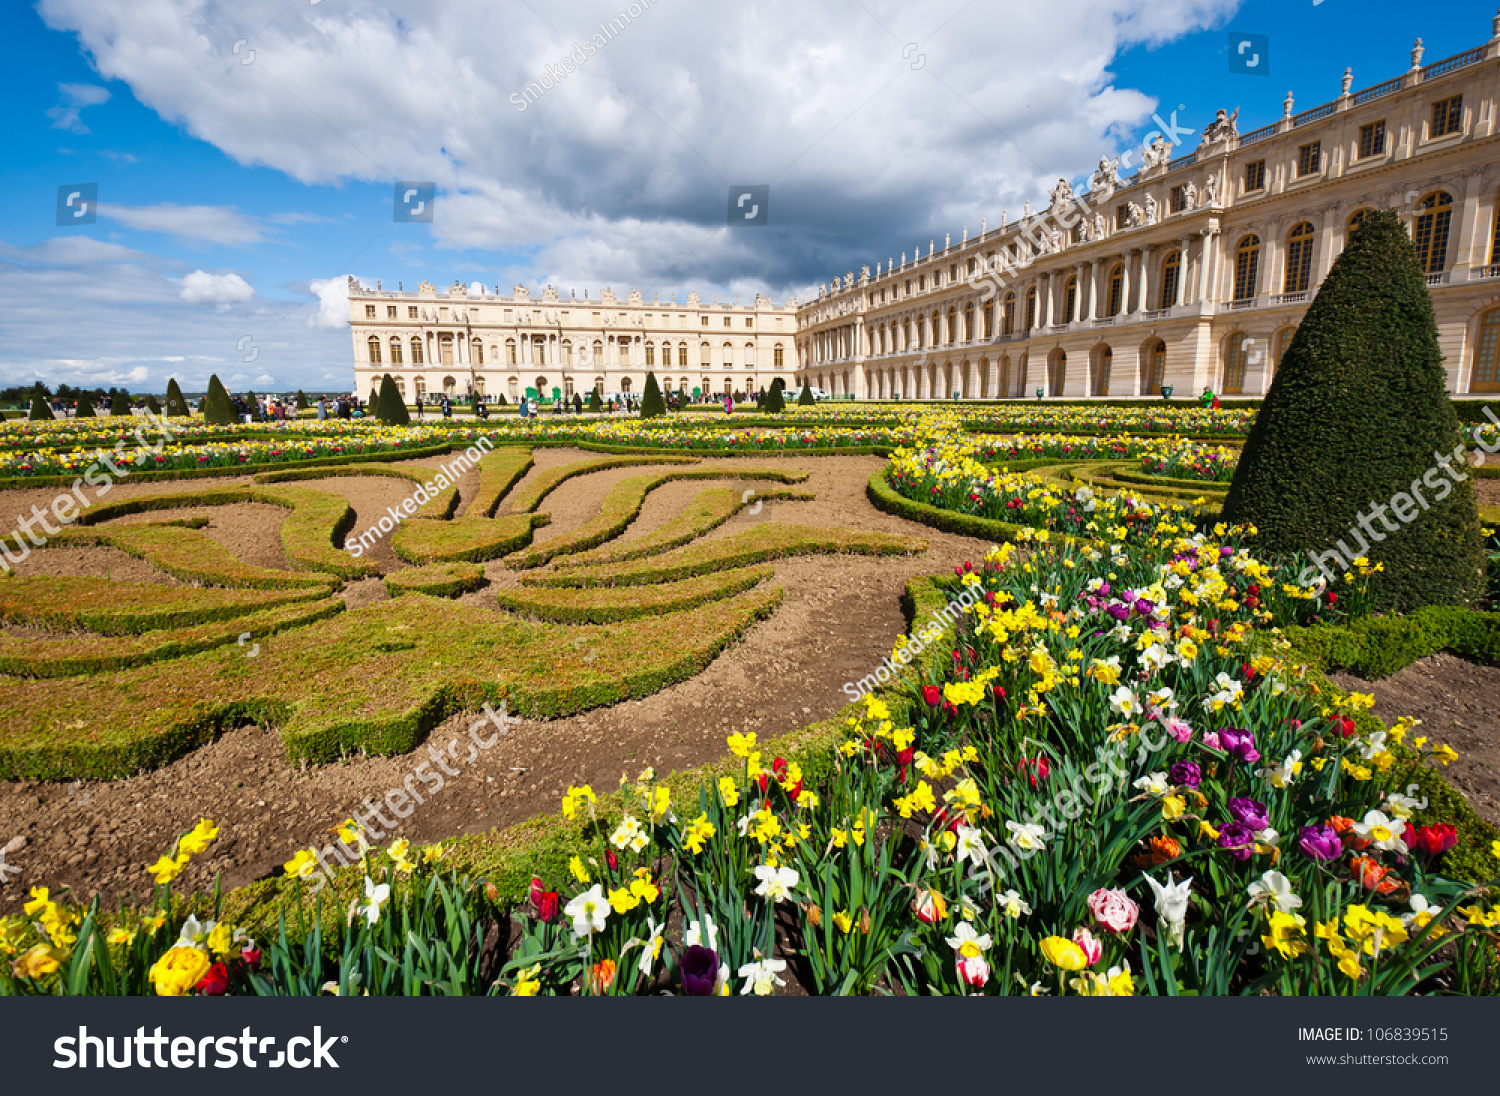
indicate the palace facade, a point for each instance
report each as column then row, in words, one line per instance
column 1196, row 271
column 460, row 342
column 1192, row 273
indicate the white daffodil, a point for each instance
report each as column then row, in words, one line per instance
column 703, row 934
column 375, row 897
column 970, row 845
column 588, row 911
column 1384, row 832
column 1027, row 836
column 761, row 977
column 1403, row 806
column 1162, row 699
column 194, row 932
column 1171, row 905
column 775, row 883
column 1275, row 888
column 1124, row 702
column 651, row 947
column 1012, row 905
column 1281, row 776
column 1155, row 784
column 625, row 832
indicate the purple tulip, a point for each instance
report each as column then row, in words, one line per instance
column 1103, row 590
column 1238, row 840
column 1238, row 744
column 1118, row 611
column 1186, row 774
column 1225, row 552
column 1319, row 842
column 1144, row 606
column 700, row 971
column 1249, row 813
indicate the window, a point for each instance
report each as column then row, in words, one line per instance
column 1255, row 175
column 510, row 351
column 1299, row 248
column 650, row 354
column 445, row 349
column 390, row 312
column 989, row 309
column 1431, row 232
column 411, row 312
column 1008, row 318
column 728, row 355
column 1070, row 300
column 478, row 352
column 922, row 283
column 1171, row 271
column 1122, row 214
column 1310, row 159
column 1495, row 242
column 969, row 322
column 778, row 356
column 539, row 350
column 1446, row 116
column 1246, row 267
column 952, row 325
column 1157, row 368
column 1486, row 376
column 1177, row 199
column 416, row 351
column 749, row 355
column 1283, row 340
column 1372, row 139
column 682, row 354
column 395, row 351
column 374, row 345
column 1358, row 219
column 705, row 354
column 1031, row 308
column 705, row 321
column 1116, row 290
column 598, row 352
column 749, row 321
column 1234, row 364
column 728, row 320
column 1101, row 380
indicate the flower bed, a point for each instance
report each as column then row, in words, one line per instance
column 1181, row 459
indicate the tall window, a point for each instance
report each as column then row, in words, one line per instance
column 1234, row 364
column 478, row 352
column 1283, row 340
column 650, row 354
column 395, row 351
column 1255, row 175
column 1116, row 290
column 374, row 345
column 1171, row 270
column 1031, row 308
column 1070, row 299
column 1372, row 139
column 1246, row 267
column 936, row 327
column 510, row 352
column 749, row 355
column 1446, row 116
column 989, row 309
column 682, row 354
column 445, row 349
column 777, row 356
column 1008, row 317
column 1431, row 234
column 1299, row 249
column 705, row 354
column 728, row 355
column 1495, row 242
column 1177, row 199
column 1358, row 219
column 1157, row 374
column 1310, row 159
column 952, row 325
column 416, row 351
column 969, row 322
column 1101, row 381
column 1486, row 376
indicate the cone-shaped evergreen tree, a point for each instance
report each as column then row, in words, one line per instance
column 85, row 409
column 176, row 405
column 373, row 402
column 391, row 408
column 806, row 399
column 652, row 404
column 595, row 403
column 217, row 408
column 775, row 402
column 503, row 401
column 302, row 404
column 119, row 404
column 1357, row 426
column 41, row 410
column 152, row 405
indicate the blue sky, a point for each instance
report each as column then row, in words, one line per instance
column 245, row 152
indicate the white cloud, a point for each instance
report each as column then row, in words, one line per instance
column 333, row 302
column 201, row 287
column 212, row 224
column 621, row 171
column 75, row 97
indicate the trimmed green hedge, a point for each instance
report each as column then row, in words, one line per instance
column 118, row 608
column 546, row 482
column 472, row 540
column 186, row 554
column 708, row 510
column 606, row 605
column 885, row 497
column 436, row 580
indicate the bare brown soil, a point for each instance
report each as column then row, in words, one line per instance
column 840, row 616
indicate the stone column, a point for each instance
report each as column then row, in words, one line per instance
column 1205, row 260
column 1125, row 282
column 1093, row 295
column 1143, row 298
column 1044, row 299
column 1178, row 290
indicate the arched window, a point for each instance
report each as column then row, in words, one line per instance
column 952, row 325
column 1299, row 250
column 514, row 384
column 374, row 344
column 541, row 387
column 623, row 347
column 728, row 355
column 416, row 351
column 1070, row 299
column 539, row 350
column 1283, row 340
column 969, row 318
column 1031, row 308
column 905, row 334
column 1116, row 290
column 395, row 351
column 1156, row 368
column 1357, row 219
column 1171, row 273
column 1008, row 315
column 401, row 387
column 1234, row 364
column 445, row 349
column 934, row 333
column 510, row 351
column 567, row 352
column 598, row 351
column 778, row 356
column 449, row 385
column 1431, row 232
column 1495, row 242
column 1246, row 267
column 1101, row 378
column 624, row 384
column 705, row 354
column 989, row 320
column 478, row 351
column 1486, row 376
column 749, row 355
column 650, row 354
column 421, row 385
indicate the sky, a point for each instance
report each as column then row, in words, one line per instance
column 246, row 153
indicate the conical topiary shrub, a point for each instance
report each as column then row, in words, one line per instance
column 176, row 405
column 775, row 402
column 1356, row 450
column 806, row 399
column 391, row 408
column 217, row 407
column 595, row 403
column 374, row 402
column 119, row 404
column 652, row 404
column 85, row 408
column 41, row 410
column 152, row 405
column 302, row 404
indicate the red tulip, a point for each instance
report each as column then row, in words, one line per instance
column 216, row 982
column 932, row 695
column 1435, row 840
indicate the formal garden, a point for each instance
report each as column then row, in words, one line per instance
column 1026, row 698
